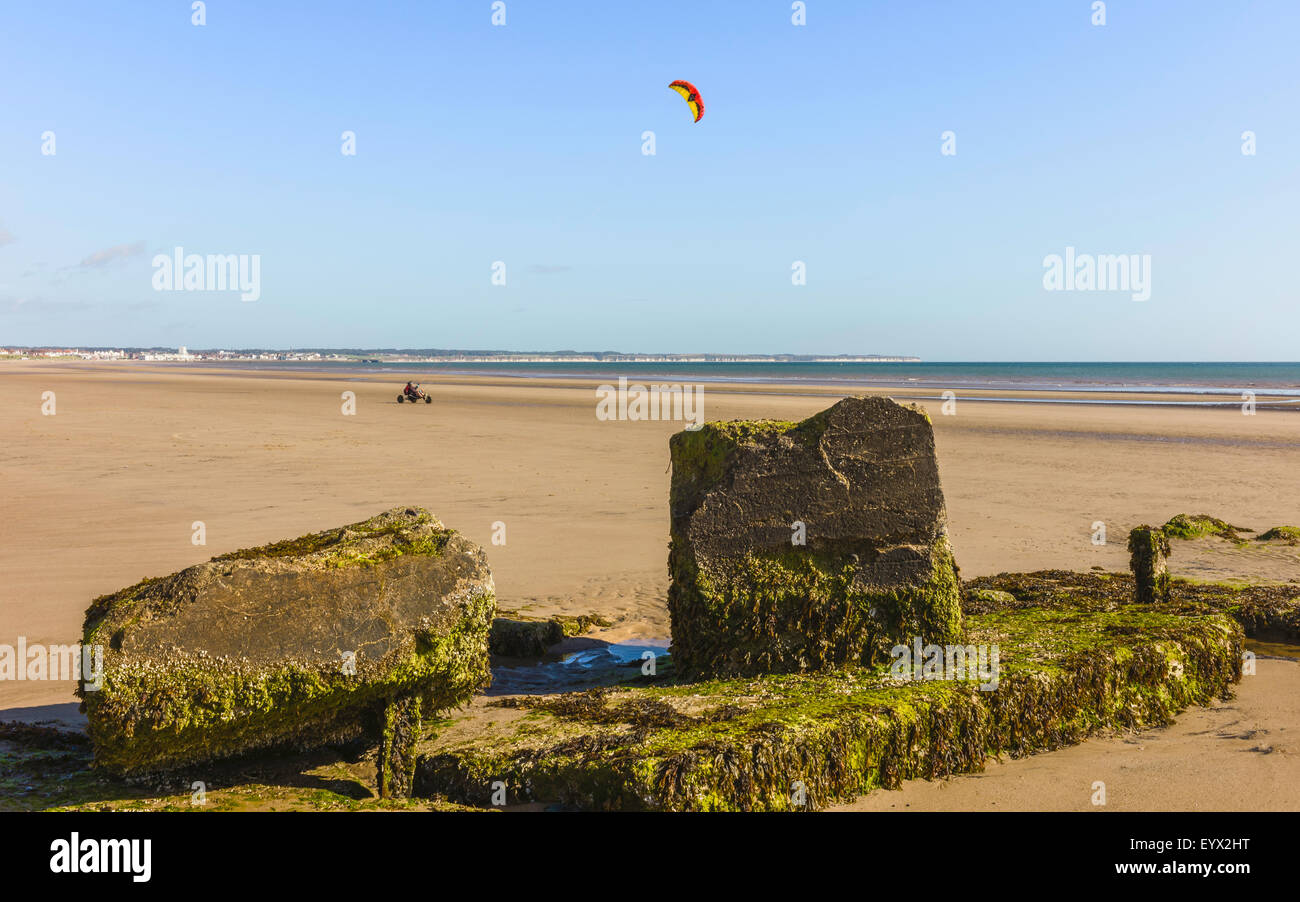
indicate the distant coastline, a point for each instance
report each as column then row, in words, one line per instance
column 427, row 355
column 1275, row 385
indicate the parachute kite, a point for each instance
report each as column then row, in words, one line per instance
column 691, row 96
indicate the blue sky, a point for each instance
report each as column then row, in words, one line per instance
column 522, row 144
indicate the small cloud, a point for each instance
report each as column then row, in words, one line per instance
column 108, row 255
column 543, row 269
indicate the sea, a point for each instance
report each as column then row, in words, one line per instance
column 1209, row 383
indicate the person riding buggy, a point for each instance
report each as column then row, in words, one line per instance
column 414, row 393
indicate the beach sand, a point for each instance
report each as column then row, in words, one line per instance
column 1237, row 755
column 107, row 491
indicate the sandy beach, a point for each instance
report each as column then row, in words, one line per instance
column 110, row 488
column 1237, row 755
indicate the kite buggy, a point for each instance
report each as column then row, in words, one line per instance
column 414, row 393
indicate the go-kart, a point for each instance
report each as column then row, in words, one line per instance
column 414, row 393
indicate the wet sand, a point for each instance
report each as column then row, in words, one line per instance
column 107, row 490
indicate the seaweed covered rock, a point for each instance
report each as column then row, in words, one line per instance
column 1289, row 535
column 802, row 546
column 987, row 599
column 1266, row 611
column 1148, row 558
column 1195, row 526
column 783, row 742
column 354, row 632
column 516, row 635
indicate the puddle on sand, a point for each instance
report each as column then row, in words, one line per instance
column 573, row 665
column 584, row 663
column 1274, row 649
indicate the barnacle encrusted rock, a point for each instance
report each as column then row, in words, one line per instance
column 357, row 631
column 858, row 483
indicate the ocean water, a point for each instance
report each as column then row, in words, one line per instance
column 1265, row 379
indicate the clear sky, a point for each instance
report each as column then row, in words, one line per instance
column 820, row 143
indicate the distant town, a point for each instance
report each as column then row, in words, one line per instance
column 428, row 355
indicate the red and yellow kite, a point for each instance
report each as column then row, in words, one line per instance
column 691, row 96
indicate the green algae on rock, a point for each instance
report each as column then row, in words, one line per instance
column 1195, row 526
column 988, row 597
column 357, row 631
column 48, row 769
column 1289, row 535
column 516, row 635
column 1265, row 611
column 802, row 741
column 1148, row 559
column 802, row 546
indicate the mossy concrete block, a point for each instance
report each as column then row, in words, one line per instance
column 859, row 484
column 1148, row 549
column 784, row 742
column 342, row 634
